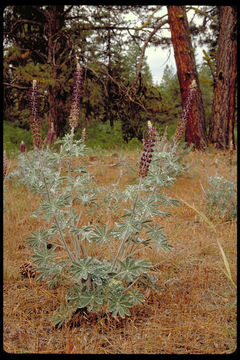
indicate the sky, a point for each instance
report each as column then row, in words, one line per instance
column 158, row 58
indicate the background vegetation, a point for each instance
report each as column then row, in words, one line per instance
column 102, row 134
column 109, row 46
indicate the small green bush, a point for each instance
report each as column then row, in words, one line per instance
column 12, row 137
column 221, row 197
column 102, row 136
column 133, row 144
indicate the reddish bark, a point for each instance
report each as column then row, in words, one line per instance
column 186, row 70
column 223, row 108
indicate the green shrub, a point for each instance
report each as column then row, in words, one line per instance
column 105, row 137
column 12, row 137
column 221, row 197
column 133, row 144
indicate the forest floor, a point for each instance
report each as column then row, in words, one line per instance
column 194, row 310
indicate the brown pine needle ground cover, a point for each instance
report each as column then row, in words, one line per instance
column 194, row 310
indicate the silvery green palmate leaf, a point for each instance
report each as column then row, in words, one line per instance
column 82, row 268
column 85, row 232
column 48, row 269
column 87, row 299
column 43, row 255
column 131, row 268
column 158, row 237
column 136, row 297
column 86, row 198
column 38, row 238
column 120, row 305
column 79, row 182
column 130, row 192
column 163, row 170
column 128, row 227
column 92, row 268
column 70, row 147
column 165, row 200
column 149, row 208
column 63, row 315
column 56, row 203
column 101, row 235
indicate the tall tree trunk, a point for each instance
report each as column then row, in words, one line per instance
column 55, row 23
column 223, row 108
column 186, row 70
column 109, row 84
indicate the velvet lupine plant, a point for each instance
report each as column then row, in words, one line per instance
column 50, row 136
column 110, row 281
column 35, row 122
column 83, row 136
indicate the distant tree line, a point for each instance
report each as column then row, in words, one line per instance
column 42, row 42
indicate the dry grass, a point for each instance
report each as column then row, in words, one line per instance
column 193, row 312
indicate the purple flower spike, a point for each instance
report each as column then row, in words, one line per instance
column 5, row 164
column 188, row 103
column 148, row 150
column 35, row 122
column 22, row 147
column 50, row 136
column 77, row 87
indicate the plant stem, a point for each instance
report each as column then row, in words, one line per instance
column 133, row 283
column 54, row 216
column 136, row 245
column 70, row 159
column 127, row 235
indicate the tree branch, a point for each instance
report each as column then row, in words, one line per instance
column 16, row 86
column 144, row 48
column 67, row 10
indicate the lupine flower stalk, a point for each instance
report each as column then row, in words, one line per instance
column 163, row 142
column 50, row 136
column 22, row 147
column 5, row 164
column 149, row 143
column 83, row 137
column 35, row 122
column 185, row 113
column 74, row 112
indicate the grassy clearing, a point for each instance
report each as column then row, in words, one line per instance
column 194, row 310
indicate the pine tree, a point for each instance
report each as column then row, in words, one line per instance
column 221, row 132
column 39, row 49
column 186, row 69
